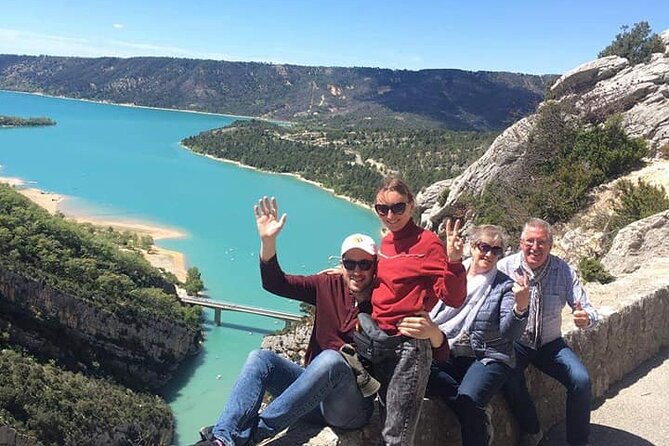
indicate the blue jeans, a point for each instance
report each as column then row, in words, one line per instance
column 467, row 386
column 403, row 381
column 324, row 392
column 559, row 361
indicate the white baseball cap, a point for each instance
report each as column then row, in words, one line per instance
column 359, row 241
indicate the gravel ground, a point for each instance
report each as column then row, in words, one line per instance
column 634, row 412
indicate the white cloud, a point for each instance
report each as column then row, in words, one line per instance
column 26, row 42
column 21, row 42
column 118, row 26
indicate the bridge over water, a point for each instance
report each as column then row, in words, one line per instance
column 219, row 306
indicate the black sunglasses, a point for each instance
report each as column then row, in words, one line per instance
column 364, row 265
column 397, row 208
column 486, row 248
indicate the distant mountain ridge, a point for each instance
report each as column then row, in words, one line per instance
column 456, row 99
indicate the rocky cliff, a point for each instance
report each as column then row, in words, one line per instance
column 640, row 93
column 57, row 325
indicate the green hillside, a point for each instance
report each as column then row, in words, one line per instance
column 455, row 99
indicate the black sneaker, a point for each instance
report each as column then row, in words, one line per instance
column 213, row 442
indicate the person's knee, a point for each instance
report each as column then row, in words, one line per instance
column 469, row 398
column 260, row 356
column 331, row 360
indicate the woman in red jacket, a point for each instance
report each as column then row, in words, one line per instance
column 414, row 271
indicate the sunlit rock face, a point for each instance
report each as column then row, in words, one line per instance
column 600, row 88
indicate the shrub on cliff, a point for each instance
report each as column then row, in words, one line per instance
column 592, row 270
column 636, row 201
column 565, row 160
column 636, row 44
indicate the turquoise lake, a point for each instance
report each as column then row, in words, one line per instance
column 127, row 162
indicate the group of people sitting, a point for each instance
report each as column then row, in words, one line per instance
column 411, row 318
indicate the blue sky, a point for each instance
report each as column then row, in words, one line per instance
column 520, row 36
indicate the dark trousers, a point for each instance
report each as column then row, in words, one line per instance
column 403, row 380
column 467, row 386
column 558, row 361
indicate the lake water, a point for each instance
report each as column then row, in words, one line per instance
column 127, row 162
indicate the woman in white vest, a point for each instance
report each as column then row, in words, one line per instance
column 479, row 335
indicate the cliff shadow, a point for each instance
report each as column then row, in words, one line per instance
column 602, row 435
column 631, row 378
column 181, row 377
column 612, row 436
column 187, row 369
column 299, row 433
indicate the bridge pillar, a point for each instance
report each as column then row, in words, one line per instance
column 217, row 316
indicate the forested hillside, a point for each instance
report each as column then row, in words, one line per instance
column 352, row 162
column 81, row 321
column 52, row 406
column 455, row 99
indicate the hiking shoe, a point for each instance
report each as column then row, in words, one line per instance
column 531, row 439
column 213, row 442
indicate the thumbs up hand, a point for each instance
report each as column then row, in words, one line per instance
column 581, row 318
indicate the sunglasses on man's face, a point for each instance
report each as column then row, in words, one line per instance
column 486, row 248
column 397, row 208
column 364, row 265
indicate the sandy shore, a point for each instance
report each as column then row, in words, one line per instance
column 133, row 105
column 172, row 261
column 294, row 175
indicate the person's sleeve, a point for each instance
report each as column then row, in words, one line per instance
column 578, row 294
column 450, row 278
column 441, row 353
column 510, row 325
column 274, row 280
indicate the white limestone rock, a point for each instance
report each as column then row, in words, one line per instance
column 504, row 153
column 639, row 244
column 587, row 75
column 428, row 200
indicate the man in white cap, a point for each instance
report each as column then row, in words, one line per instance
column 326, row 390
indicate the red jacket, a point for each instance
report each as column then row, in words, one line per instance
column 336, row 309
column 413, row 272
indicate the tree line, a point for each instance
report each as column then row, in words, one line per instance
column 15, row 121
column 352, row 162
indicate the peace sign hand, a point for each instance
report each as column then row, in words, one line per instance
column 521, row 292
column 454, row 244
